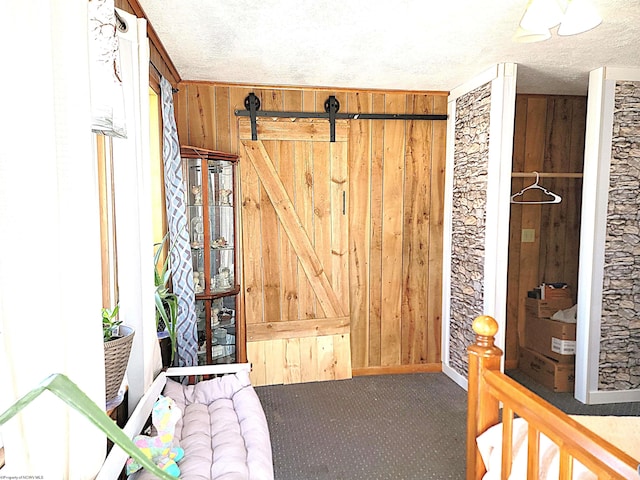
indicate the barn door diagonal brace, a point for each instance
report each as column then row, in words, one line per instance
column 331, row 106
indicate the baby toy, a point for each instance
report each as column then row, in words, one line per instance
column 160, row 448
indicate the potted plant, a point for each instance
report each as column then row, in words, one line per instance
column 118, row 339
column 166, row 307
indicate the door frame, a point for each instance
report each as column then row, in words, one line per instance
column 502, row 78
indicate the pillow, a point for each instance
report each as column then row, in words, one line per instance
column 207, row 391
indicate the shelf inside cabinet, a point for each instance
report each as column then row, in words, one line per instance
column 213, row 295
column 217, row 328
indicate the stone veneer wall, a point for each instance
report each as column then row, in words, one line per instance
column 468, row 220
column 620, row 327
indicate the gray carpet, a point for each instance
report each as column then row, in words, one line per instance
column 568, row 404
column 376, row 427
column 396, row 427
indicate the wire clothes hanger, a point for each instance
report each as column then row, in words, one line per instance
column 555, row 198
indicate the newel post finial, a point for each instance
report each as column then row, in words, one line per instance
column 485, row 328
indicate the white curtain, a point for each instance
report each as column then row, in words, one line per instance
column 107, row 93
column 50, row 282
column 132, row 165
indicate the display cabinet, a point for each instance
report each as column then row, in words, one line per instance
column 210, row 182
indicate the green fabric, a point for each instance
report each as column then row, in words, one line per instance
column 71, row 394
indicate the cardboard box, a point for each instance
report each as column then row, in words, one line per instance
column 546, row 308
column 551, row 293
column 563, row 347
column 551, row 338
column 556, row 376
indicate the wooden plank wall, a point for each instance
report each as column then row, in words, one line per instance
column 396, row 172
column 549, row 137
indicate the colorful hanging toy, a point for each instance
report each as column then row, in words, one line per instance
column 159, row 448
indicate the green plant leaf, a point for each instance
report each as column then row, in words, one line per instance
column 164, row 298
column 110, row 322
column 172, row 302
column 72, row 395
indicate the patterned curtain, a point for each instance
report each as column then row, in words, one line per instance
column 180, row 258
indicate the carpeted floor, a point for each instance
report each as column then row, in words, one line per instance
column 568, row 404
column 375, row 427
column 396, row 427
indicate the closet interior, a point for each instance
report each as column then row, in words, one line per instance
column 548, row 157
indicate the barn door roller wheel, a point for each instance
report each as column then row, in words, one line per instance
column 252, row 103
column 331, row 106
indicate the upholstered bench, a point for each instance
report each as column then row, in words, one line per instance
column 223, row 429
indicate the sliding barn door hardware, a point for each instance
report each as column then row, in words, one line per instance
column 331, row 107
column 252, row 104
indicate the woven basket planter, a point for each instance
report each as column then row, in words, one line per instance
column 116, row 359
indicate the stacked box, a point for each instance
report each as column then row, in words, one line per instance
column 554, row 339
column 554, row 375
column 549, row 349
column 546, row 308
column 551, row 293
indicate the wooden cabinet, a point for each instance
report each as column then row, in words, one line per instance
column 211, row 199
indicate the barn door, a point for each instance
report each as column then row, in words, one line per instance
column 294, row 185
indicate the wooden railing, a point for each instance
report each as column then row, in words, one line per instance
column 488, row 387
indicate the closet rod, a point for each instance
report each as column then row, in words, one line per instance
column 548, row 175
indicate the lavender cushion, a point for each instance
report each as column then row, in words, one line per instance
column 223, row 430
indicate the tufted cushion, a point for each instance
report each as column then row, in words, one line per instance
column 223, row 430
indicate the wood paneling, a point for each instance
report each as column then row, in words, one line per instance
column 392, row 232
column 360, row 221
column 394, row 198
column 415, row 246
column 436, row 229
column 549, row 138
column 375, row 249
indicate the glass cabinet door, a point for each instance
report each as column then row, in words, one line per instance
column 195, row 220
column 221, row 225
column 217, row 330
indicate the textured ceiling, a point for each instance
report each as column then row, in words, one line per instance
column 393, row 44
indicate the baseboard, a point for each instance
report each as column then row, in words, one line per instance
column 394, row 369
column 613, row 396
column 455, row 376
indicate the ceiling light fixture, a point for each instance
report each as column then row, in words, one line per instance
column 540, row 16
column 579, row 17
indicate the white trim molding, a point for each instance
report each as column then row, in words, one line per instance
column 502, row 112
column 595, row 195
column 446, row 241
